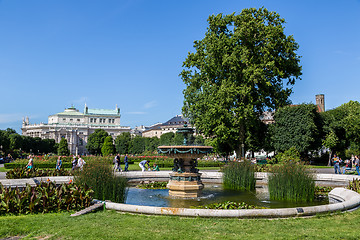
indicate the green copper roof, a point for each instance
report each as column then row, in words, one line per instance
column 71, row 111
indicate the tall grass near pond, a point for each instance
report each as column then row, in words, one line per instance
column 239, row 176
column 99, row 177
column 292, row 182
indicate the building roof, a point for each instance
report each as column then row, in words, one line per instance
column 177, row 120
column 71, row 111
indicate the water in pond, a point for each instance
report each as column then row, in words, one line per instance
column 212, row 193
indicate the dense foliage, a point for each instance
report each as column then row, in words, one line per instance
column 46, row 197
column 243, row 66
column 96, row 141
column 99, row 176
column 14, row 143
column 297, row 126
column 122, row 143
column 108, row 147
column 239, row 176
column 291, row 182
column 63, row 149
column 25, row 173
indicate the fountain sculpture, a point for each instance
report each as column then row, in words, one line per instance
column 185, row 180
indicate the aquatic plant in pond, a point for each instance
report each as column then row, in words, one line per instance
column 152, row 185
column 239, row 176
column 291, row 182
column 229, row 205
column 100, row 177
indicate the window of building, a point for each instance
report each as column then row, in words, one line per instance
column 64, row 119
column 111, row 134
column 113, row 121
column 109, row 120
column 71, row 119
column 91, row 120
column 78, row 120
column 94, row 120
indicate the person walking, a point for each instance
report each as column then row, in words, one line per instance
column 357, row 164
column 336, row 162
column 126, row 161
column 74, row 163
column 30, row 164
column 58, row 163
column 81, row 162
column 142, row 165
column 118, row 161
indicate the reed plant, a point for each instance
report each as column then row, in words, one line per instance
column 239, row 176
column 292, row 182
column 99, row 176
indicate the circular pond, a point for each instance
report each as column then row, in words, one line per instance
column 212, row 193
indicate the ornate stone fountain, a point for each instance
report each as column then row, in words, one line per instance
column 185, row 180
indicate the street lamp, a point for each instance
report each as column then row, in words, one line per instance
column 242, row 150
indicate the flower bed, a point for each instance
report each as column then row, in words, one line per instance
column 46, row 197
column 24, row 173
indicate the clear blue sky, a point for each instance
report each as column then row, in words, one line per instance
column 57, row 53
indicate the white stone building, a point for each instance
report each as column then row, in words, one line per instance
column 76, row 126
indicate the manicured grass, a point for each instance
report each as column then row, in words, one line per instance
column 114, row 225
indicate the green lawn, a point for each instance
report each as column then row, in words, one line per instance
column 114, row 225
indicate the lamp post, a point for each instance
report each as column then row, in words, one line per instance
column 242, row 150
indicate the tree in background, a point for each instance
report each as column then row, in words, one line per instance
column 167, row 139
column 330, row 141
column 151, row 144
column 63, row 149
column 122, row 143
column 297, row 126
column 137, row 145
column 239, row 70
column 96, row 141
column 108, row 147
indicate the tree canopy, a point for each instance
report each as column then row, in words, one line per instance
column 243, row 66
column 96, row 141
column 63, row 147
column 297, row 126
column 108, row 147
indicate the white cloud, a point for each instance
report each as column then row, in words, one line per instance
column 10, row 117
column 150, row 104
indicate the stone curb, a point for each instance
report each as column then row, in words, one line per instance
column 349, row 200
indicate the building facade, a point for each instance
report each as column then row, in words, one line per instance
column 172, row 125
column 76, row 126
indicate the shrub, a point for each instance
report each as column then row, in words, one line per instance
column 292, row 182
column 354, row 185
column 239, row 176
column 100, row 177
column 46, row 197
column 290, row 155
column 24, row 173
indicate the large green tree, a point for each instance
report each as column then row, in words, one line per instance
column 108, row 147
column 122, row 143
column 63, row 149
column 96, row 141
column 299, row 127
column 243, row 66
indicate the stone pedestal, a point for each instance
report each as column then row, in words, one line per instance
column 185, row 185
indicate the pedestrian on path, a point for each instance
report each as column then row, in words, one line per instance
column 58, row 163
column 126, row 161
column 336, row 162
column 142, row 165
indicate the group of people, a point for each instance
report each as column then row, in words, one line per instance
column 145, row 164
column 77, row 163
column 349, row 163
column 117, row 163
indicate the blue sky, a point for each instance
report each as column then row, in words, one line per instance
column 57, row 53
